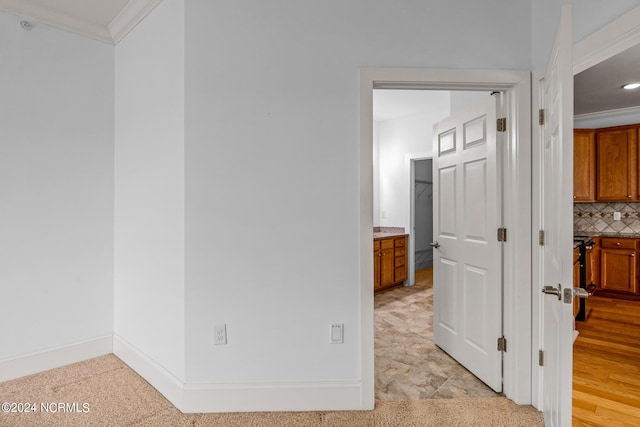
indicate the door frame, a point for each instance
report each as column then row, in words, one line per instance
column 615, row 37
column 516, row 85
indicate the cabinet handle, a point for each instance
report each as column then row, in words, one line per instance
column 617, row 243
column 629, row 196
column 633, row 255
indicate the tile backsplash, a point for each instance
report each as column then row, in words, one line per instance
column 598, row 218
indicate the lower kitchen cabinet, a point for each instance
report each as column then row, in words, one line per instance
column 619, row 268
column 576, row 279
column 389, row 261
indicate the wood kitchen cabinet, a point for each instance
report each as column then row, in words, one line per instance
column 617, row 164
column 576, row 279
column 584, row 165
column 619, row 268
column 389, row 261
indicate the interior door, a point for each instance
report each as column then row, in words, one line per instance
column 467, row 256
column 557, row 222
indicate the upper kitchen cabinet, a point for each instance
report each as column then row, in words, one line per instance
column 617, row 164
column 584, row 165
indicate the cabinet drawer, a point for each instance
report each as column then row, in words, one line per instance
column 400, row 261
column 400, row 274
column 617, row 243
column 400, row 243
column 400, row 252
column 386, row 243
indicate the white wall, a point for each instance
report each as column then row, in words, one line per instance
column 272, row 167
column 461, row 100
column 149, row 188
column 56, row 187
column 376, row 173
column 401, row 139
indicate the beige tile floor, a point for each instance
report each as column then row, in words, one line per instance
column 409, row 366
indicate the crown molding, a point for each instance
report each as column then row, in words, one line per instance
column 50, row 16
column 129, row 17
column 607, row 114
column 111, row 33
column 613, row 38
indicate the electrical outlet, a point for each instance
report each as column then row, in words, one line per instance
column 337, row 333
column 617, row 216
column 219, row 334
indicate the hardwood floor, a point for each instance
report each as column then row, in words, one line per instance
column 606, row 370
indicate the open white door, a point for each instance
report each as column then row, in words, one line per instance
column 467, row 308
column 556, row 209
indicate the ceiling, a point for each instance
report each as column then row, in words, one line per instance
column 105, row 20
column 599, row 88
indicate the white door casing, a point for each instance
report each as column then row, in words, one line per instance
column 516, row 86
column 556, row 210
column 467, row 317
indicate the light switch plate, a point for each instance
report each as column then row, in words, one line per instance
column 337, row 333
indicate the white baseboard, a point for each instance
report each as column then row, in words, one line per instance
column 272, row 397
column 254, row 397
column 161, row 379
column 54, row 358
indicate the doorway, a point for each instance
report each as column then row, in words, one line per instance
column 408, row 364
column 422, row 219
column 517, row 211
column 605, row 351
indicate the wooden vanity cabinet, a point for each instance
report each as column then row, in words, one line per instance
column 619, row 268
column 389, row 262
column 400, row 259
column 617, row 164
column 584, row 165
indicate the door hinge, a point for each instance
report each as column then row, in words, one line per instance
column 502, row 124
column 541, row 237
column 541, row 116
column 502, row 234
column 541, row 358
column 502, row 344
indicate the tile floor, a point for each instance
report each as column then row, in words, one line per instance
column 409, row 366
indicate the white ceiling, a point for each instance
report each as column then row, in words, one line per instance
column 105, row 20
column 599, row 88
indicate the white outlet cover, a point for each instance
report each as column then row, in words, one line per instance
column 617, row 216
column 219, row 334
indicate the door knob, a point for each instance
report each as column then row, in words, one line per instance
column 435, row 244
column 553, row 290
column 570, row 293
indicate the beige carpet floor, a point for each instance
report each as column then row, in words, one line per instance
column 116, row 396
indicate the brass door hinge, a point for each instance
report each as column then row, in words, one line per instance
column 502, row 124
column 502, row 234
column 502, row 344
column 541, row 116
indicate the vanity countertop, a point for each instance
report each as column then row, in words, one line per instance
column 385, row 232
